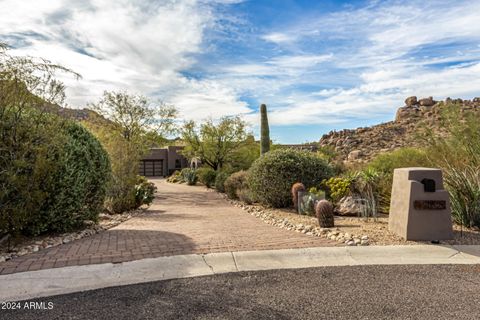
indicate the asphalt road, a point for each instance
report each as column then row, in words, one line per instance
column 362, row 292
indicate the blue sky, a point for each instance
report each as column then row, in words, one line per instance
column 318, row 65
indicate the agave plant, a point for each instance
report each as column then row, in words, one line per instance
column 464, row 188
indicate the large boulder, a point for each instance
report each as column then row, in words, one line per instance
column 354, row 155
column 427, row 102
column 348, row 206
column 406, row 113
column 411, row 101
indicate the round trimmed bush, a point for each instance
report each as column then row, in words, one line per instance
column 80, row 188
column 206, row 175
column 236, row 182
column 272, row 175
column 77, row 188
column 220, row 181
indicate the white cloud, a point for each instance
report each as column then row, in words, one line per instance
column 277, row 37
column 139, row 46
column 355, row 63
column 382, row 52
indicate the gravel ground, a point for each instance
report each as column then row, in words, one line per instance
column 376, row 230
column 361, row 292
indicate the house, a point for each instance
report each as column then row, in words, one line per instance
column 161, row 162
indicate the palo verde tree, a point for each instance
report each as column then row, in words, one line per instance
column 264, row 131
column 133, row 123
column 215, row 144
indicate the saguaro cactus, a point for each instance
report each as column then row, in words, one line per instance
column 324, row 212
column 264, row 131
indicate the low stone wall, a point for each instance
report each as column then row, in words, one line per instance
column 272, row 217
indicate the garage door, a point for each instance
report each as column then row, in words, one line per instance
column 151, row 168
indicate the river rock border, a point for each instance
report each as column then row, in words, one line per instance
column 106, row 221
column 334, row 234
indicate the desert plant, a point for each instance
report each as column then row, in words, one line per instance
column 264, row 131
column 457, row 153
column 61, row 183
column 144, row 191
column 235, row 182
column 175, row 177
column 308, row 200
column 189, row 176
column 80, row 185
column 464, row 189
column 324, row 213
column 338, row 187
column 386, row 163
column 273, row 174
column 206, row 175
column 133, row 121
column 216, row 144
column 317, row 192
column 296, row 188
column 365, row 185
column 220, row 181
column 245, row 195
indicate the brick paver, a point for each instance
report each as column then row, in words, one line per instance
column 182, row 220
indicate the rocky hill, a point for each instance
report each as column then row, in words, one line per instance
column 362, row 144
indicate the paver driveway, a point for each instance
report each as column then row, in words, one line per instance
column 181, row 220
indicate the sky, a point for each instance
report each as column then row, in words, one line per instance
column 317, row 65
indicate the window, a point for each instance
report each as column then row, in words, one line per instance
column 178, row 164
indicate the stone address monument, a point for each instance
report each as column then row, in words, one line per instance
column 420, row 207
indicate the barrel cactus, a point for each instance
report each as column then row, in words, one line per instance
column 296, row 188
column 324, row 212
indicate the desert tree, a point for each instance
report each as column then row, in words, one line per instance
column 215, row 143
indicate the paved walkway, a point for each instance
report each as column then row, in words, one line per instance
column 182, row 220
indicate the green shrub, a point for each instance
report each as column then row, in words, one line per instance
column 338, row 187
column 245, row 195
column 272, row 175
column 31, row 145
column 207, row 175
column 144, row 191
column 59, row 178
column 384, row 164
column 176, row 177
column 79, row 188
column 365, row 184
column 220, row 180
column 234, row 183
column 189, row 176
column 464, row 188
column 457, row 153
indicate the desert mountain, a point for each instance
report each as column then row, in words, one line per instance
column 362, row 144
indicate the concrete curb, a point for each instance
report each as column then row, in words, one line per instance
column 42, row 283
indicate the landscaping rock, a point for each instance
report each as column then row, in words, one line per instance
column 106, row 222
column 348, row 207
